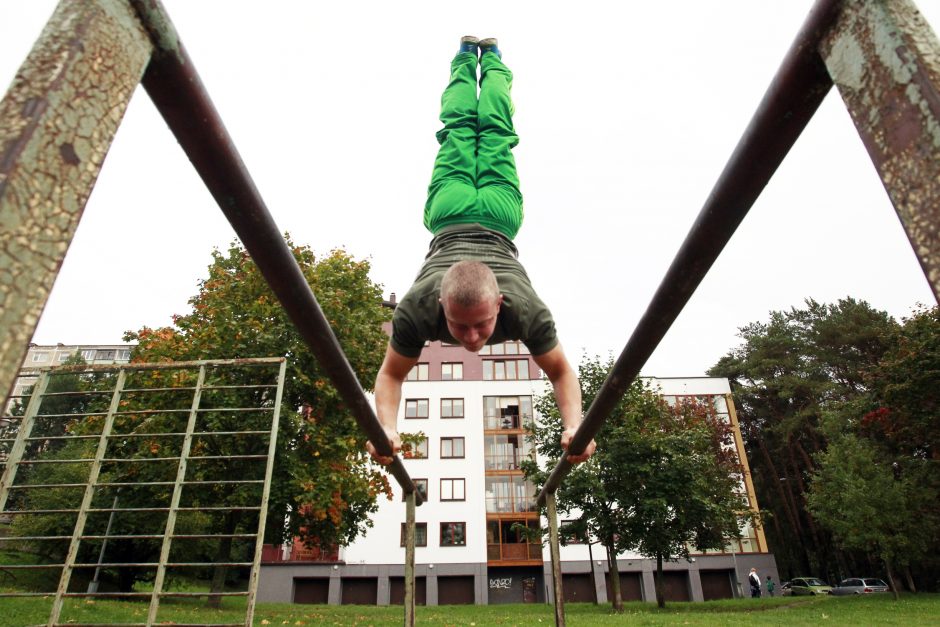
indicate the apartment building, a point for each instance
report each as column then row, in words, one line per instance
column 472, row 410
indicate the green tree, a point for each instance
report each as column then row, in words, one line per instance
column 788, row 376
column 870, row 506
column 323, row 485
column 663, row 478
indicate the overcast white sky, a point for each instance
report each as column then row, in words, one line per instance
column 627, row 113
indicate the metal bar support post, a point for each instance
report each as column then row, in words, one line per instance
column 555, row 551
column 89, row 494
column 170, row 529
column 22, row 437
column 410, row 499
column 265, row 495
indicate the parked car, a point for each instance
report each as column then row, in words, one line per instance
column 785, row 589
column 809, row 586
column 859, row 585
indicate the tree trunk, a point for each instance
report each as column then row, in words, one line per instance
column 909, row 579
column 614, row 571
column 224, row 554
column 891, row 582
column 660, row 593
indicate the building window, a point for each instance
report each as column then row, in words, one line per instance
column 451, row 448
column 506, row 348
column 453, row 490
column 570, row 538
column 124, row 354
column 506, row 452
column 418, row 373
column 451, row 371
column 505, row 369
column 421, row 534
column 453, row 534
column 40, row 356
column 104, row 355
column 422, row 485
column 507, row 412
column 510, row 493
column 451, row 408
column 416, row 408
column 415, row 451
column 88, row 354
column 63, row 357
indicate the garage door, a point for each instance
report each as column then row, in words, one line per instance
column 630, row 587
column 455, row 590
column 578, row 588
column 396, row 590
column 311, row 590
column 716, row 584
column 676, row 586
column 360, row 590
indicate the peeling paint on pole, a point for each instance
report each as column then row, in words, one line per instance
column 885, row 60
column 56, row 124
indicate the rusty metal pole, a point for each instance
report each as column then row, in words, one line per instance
column 885, row 60
column 789, row 103
column 555, row 551
column 56, row 124
column 410, row 559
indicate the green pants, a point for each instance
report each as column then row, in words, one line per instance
column 474, row 178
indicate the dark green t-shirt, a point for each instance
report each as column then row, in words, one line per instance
column 419, row 316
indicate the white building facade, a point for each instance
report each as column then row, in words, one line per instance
column 473, row 410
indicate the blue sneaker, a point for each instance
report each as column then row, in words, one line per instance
column 469, row 43
column 490, row 45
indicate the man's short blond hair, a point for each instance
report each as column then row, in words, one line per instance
column 469, row 283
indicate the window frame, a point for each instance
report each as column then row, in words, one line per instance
column 417, row 402
column 452, row 440
column 417, row 369
column 417, row 481
column 453, row 480
column 463, row 406
column 453, row 366
column 463, row 524
column 418, row 525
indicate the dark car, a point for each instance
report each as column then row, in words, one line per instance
column 859, row 585
column 808, row 586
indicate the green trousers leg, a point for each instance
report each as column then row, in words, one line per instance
column 474, row 178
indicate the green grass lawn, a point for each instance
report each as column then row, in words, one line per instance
column 920, row 609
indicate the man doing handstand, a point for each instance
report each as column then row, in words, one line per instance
column 472, row 290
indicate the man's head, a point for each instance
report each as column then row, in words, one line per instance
column 471, row 299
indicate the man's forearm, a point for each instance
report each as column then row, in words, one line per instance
column 568, row 396
column 387, row 400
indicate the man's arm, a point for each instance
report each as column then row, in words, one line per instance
column 568, row 396
column 395, row 368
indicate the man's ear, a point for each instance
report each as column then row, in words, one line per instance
column 499, row 301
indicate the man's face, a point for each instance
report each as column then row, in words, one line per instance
column 472, row 326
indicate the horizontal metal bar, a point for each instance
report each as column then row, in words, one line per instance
column 177, row 91
column 63, row 437
column 125, row 484
column 152, row 536
column 150, row 594
column 155, row 564
column 150, row 412
column 33, row 538
column 183, row 388
column 31, row 566
column 77, row 393
column 55, row 461
column 233, row 410
column 198, row 457
column 19, row 512
column 795, row 93
column 30, row 486
column 5, row 595
column 259, row 386
column 81, row 415
column 174, row 365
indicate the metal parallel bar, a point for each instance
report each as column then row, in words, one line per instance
column 179, row 389
column 410, row 559
column 265, row 496
column 789, row 103
column 31, row 462
column 234, row 410
column 63, row 437
column 17, row 512
column 81, row 415
column 152, row 536
column 77, row 393
column 31, row 538
column 29, row 486
column 555, row 551
column 885, row 61
column 178, row 93
column 175, row 499
column 162, row 434
column 260, row 386
column 147, row 594
column 15, row 457
column 85, row 506
column 32, row 567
